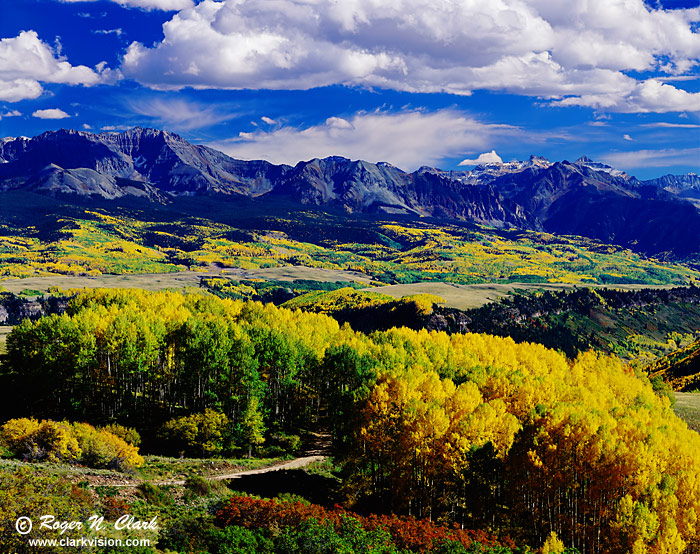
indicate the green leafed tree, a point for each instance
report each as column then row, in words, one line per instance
column 253, row 426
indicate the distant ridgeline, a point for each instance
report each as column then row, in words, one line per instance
column 146, row 201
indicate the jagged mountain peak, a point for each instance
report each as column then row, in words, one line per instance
column 585, row 161
column 582, row 197
column 538, row 161
column 389, row 165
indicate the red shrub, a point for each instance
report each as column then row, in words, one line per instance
column 407, row 532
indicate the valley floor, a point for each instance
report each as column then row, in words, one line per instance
column 458, row 296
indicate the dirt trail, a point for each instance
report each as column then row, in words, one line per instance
column 292, row 464
column 315, row 453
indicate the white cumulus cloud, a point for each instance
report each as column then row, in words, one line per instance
column 26, row 61
column 14, row 90
column 485, row 158
column 406, row 139
column 52, row 113
column 649, row 96
column 581, row 51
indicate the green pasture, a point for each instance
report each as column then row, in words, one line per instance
column 177, row 279
column 687, row 407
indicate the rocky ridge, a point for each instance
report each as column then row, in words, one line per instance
column 583, row 197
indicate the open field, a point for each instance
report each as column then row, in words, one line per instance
column 462, row 297
column 465, row 297
column 177, row 279
column 688, row 408
column 293, row 272
column 147, row 281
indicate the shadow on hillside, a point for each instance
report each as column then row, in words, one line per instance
column 314, row 488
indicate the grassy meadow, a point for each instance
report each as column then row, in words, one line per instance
column 687, row 407
column 465, row 297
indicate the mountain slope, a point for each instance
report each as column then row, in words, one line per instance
column 584, row 198
column 359, row 186
column 110, row 164
column 161, row 159
column 683, row 186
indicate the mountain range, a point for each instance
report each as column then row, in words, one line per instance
column 587, row 198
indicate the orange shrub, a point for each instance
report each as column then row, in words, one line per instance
column 65, row 442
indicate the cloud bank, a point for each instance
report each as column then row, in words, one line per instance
column 578, row 53
column 407, row 139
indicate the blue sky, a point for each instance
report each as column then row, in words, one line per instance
column 411, row 82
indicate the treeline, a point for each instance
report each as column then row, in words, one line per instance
column 641, row 324
column 145, row 358
column 269, row 290
column 638, row 324
column 466, row 428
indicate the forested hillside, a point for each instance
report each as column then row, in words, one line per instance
column 469, row 429
column 636, row 325
column 680, row 368
column 201, row 234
